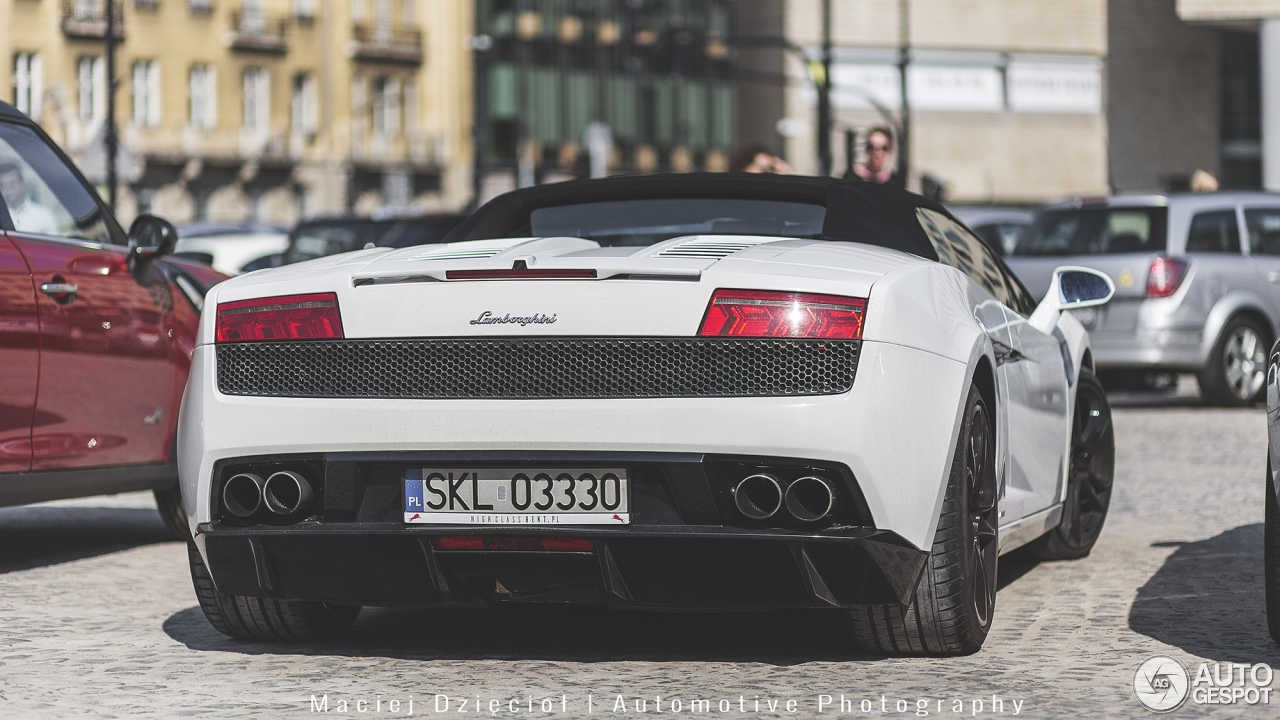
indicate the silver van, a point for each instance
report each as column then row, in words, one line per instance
column 1190, row 295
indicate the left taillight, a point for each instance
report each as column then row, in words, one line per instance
column 759, row 313
column 290, row 317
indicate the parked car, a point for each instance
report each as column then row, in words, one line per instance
column 232, row 248
column 680, row 392
column 1197, row 282
column 323, row 236
column 96, row 334
column 999, row 226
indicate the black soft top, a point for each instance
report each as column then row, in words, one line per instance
column 856, row 211
column 11, row 112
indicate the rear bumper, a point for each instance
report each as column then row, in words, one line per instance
column 642, row 567
column 688, row 547
column 1165, row 349
column 894, row 430
column 1150, row 334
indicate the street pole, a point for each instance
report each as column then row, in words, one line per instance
column 480, row 42
column 109, row 139
column 904, row 57
column 824, row 95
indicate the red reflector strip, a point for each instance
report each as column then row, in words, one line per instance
column 291, row 317
column 539, row 274
column 478, row 542
column 758, row 313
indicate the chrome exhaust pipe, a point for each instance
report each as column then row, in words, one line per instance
column 810, row 498
column 242, row 494
column 759, row 496
column 287, row 493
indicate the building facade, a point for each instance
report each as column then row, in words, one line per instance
column 653, row 77
column 1005, row 98
column 256, row 109
column 1235, row 76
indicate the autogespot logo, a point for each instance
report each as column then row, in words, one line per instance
column 1161, row 684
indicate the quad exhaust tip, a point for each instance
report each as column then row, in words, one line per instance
column 287, row 493
column 759, row 496
column 810, row 498
column 242, row 494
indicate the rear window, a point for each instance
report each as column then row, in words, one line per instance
column 645, row 222
column 1096, row 231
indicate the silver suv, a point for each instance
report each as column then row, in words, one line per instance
column 1190, row 296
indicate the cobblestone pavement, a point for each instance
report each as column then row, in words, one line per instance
column 98, row 619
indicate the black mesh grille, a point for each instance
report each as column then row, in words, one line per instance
column 538, row 368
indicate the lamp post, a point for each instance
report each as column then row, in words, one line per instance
column 109, row 140
column 824, row 94
column 904, row 57
column 480, row 43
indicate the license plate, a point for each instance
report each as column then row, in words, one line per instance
column 540, row 496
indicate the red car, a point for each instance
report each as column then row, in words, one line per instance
column 96, row 333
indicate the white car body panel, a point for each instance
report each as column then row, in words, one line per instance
column 895, row 429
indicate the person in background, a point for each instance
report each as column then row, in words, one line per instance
column 877, row 168
column 27, row 214
column 1203, row 181
column 758, row 159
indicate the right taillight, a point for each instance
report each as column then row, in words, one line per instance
column 760, row 313
column 1165, row 277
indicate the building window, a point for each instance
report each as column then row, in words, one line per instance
column 91, row 87
column 202, row 90
column 146, row 93
column 410, row 105
column 27, row 83
column 305, row 113
column 386, row 106
column 257, row 99
column 382, row 21
column 304, row 9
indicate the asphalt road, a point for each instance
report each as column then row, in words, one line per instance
column 98, row 619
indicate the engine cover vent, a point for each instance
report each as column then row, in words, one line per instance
column 711, row 247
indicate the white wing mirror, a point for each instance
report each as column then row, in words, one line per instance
column 1072, row 287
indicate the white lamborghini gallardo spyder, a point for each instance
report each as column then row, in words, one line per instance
column 721, row 392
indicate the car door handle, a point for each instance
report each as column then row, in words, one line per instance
column 1274, row 276
column 59, row 288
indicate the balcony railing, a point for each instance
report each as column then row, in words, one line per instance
column 256, row 32
column 385, row 43
column 88, row 19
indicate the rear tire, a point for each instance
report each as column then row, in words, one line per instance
column 1089, row 479
column 950, row 611
column 1237, row 371
column 1271, row 557
column 169, row 503
column 255, row 618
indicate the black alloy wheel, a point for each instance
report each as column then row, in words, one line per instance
column 984, row 546
column 1089, row 478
